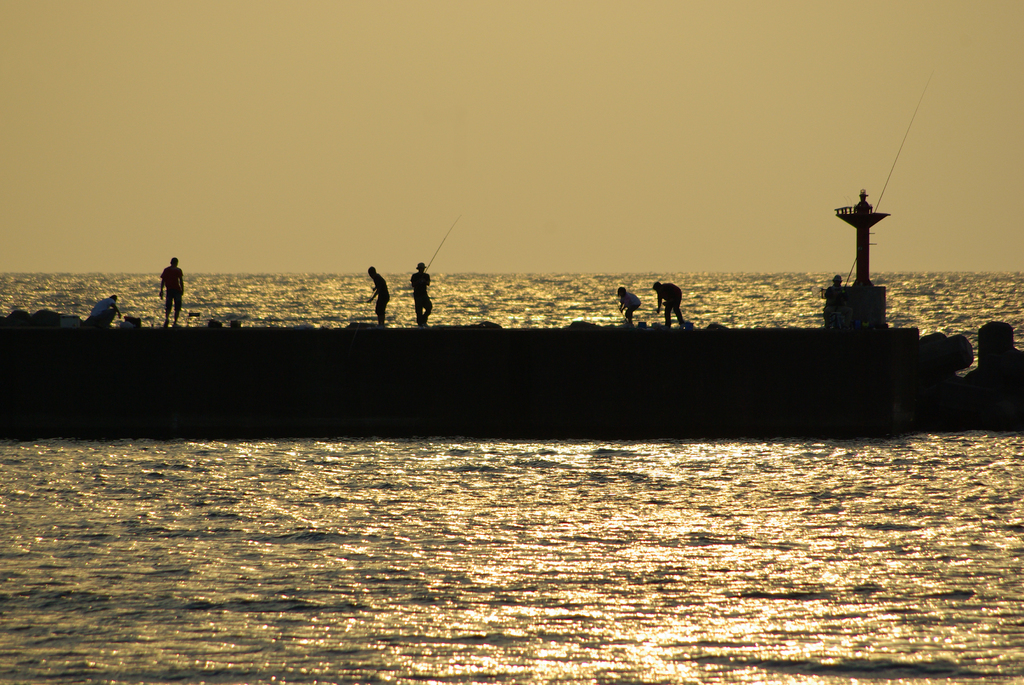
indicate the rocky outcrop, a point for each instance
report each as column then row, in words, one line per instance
column 45, row 317
column 18, row 317
column 990, row 397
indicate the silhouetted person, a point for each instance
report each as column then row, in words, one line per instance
column 420, row 282
column 628, row 303
column 672, row 296
column 835, row 301
column 380, row 291
column 863, row 207
column 103, row 313
column 173, row 280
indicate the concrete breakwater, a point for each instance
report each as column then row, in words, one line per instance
column 476, row 382
column 989, row 397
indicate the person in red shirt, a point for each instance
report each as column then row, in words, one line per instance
column 672, row 295
column 174, row 281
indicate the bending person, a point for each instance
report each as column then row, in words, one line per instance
column 628, row 303
column 103, row 313
column 380, row 291
column 672, row 296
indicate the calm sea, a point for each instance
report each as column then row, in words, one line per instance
column 445, row 560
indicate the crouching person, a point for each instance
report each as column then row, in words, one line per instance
column 103, row 313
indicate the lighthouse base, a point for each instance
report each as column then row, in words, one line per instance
column 868, row 304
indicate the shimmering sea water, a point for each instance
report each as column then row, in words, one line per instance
column 444, row 560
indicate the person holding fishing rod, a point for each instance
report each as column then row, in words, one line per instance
column 836, row 303
column 420, row 282
column 380, row 291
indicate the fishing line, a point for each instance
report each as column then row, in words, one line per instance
column 904, row 141
column 442, row 243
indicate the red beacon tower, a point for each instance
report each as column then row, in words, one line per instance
column 867, row 301
column 862, row 217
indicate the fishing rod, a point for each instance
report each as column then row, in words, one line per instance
column 442, row 243
column 904, row 141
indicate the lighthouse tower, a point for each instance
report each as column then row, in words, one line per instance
column 862, row 217
column 867, row 301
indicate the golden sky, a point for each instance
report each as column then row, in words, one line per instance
column 585, row 136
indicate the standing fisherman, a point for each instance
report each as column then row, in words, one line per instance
column 380, row 291
column 420, row 281
column 174, row 281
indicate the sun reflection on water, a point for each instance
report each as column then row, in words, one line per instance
column 444, row 559
column 948, row 302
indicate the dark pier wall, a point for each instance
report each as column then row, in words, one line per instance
column 477, row 382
